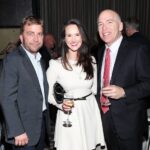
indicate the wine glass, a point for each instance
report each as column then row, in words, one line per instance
column 105, row 102
column 70, row 102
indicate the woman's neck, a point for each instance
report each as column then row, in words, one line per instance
column 72, row 56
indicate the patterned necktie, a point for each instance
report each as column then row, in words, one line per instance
column 106, row 79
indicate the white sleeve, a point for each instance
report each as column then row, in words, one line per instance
column 52, row 74
column 94, row 87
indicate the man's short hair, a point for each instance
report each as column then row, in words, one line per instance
column 132, row 22
column 30, row 20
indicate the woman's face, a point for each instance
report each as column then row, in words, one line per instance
column 73, row 37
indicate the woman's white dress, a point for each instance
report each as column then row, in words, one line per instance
column 86, row 131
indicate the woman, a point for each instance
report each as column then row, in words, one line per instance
column 76, row 72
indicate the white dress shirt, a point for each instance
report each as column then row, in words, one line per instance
column 35, row 60
column 113, row 54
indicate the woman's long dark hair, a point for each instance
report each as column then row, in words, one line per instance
column 84, row 58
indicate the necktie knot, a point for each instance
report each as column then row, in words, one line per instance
column 108, row 50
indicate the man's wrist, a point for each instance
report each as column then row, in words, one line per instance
column 124, row 94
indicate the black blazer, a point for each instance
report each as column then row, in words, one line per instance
column 132, row 72
column 21, row 97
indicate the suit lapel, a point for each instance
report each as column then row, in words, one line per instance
column 30, row 69
column 119, row 60
column 100, row 60
column 44, row 79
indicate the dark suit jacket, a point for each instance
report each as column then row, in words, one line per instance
column 21, row 97
column 1, row 65
column 138, row 38
column 132, row 72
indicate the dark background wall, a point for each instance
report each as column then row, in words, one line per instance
column 55, row 12
column 12, row 12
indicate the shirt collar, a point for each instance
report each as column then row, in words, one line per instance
column 36, row 56
column 115, row 46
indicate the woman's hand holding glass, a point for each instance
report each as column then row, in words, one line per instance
column 67, row 106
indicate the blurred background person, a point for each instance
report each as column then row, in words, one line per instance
column 132, row 31
column 11, row 46
column 48, row 50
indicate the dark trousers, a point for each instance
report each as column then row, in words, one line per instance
column 113, row 141
column 42, row 141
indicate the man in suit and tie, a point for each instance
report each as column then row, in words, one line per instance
column 124, row 83
column 24, row 90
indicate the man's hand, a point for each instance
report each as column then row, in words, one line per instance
column 113, row 91
column 21, row 140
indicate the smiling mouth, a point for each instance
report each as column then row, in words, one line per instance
column 106, row 34
column 74, row 44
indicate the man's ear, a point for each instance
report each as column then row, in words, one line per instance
column 21, row 38
column 120, row 26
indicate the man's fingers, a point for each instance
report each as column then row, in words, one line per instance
column 21, row 140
